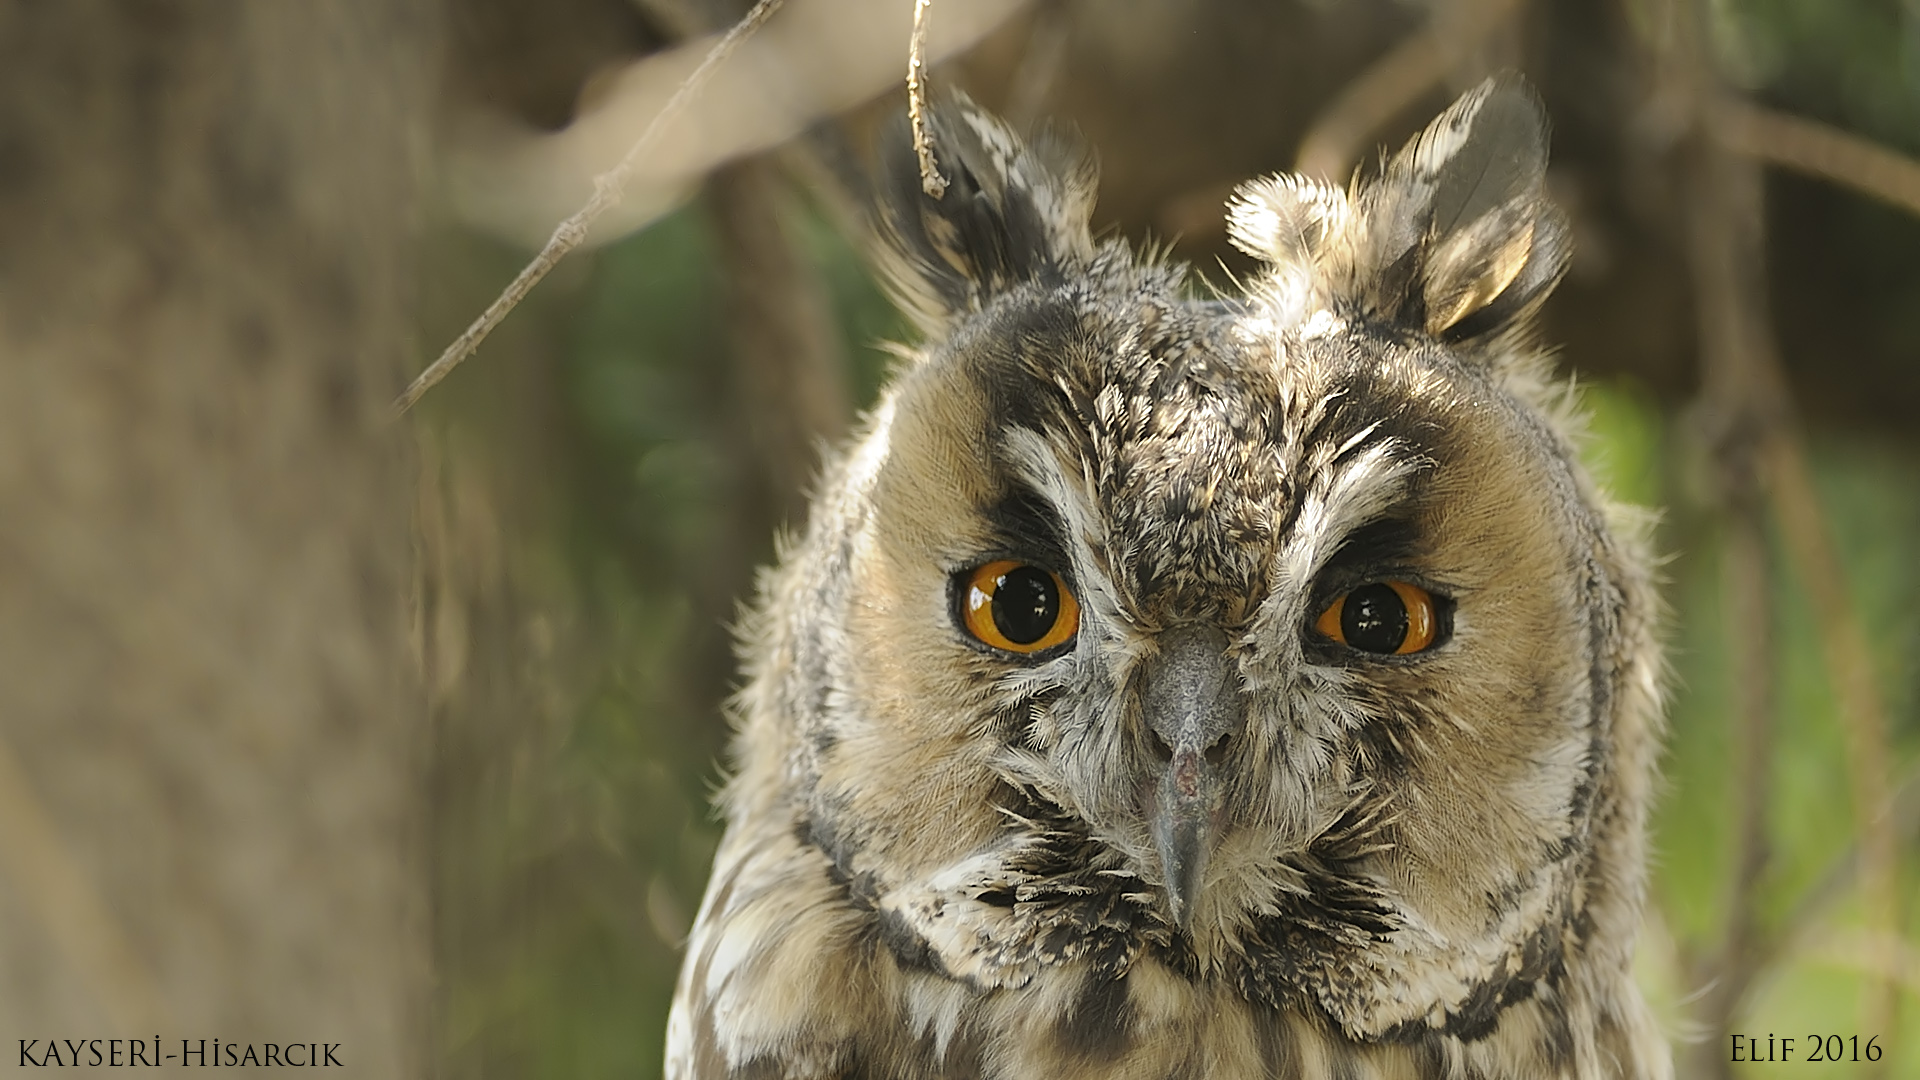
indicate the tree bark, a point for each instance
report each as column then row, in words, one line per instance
column 211, row 730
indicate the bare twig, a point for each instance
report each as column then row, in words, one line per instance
column 1821, row 150
column 1391, row 84
column 931, row 181
column 607, row 190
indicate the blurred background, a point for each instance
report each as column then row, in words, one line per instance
column 315, row 726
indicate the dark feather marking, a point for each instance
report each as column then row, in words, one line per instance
column 1430, row 1056
column 1383, row 755
column 1100, row 1025
column 1388, row 542
column 1399, row 284
column 1368, row 399
column 1031, row 530
column 1479, row 1015
column 1454, row 226
column 823, row 740
column 1279, row 1057
column 1017, row 389
column 1502, row 159
column 909, row 948
column 817, row 832
column 1073, row 901
column 1557, row 1044
column 1581, row 926
column 1296, row 958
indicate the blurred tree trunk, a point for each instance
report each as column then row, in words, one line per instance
column 211, row 730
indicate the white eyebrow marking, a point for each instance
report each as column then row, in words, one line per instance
column 1340, row 500
column 1357, row 438
column 1039, row 466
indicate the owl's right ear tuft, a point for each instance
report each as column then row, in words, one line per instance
column 1012, row 212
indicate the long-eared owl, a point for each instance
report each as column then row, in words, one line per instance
column 1173, row 683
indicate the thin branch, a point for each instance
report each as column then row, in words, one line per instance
column 931, row 181
column 1821, row 150
column 1389, row 85
column 608, row 187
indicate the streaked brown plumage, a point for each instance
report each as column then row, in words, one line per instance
column 1175, row 687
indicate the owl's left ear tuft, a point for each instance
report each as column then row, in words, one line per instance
column 1461, row 239
column 1455, row 239
column 1012, row 212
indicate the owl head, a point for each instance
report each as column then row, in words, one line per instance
column 1275, row 638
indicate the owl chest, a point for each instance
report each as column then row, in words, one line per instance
column 795, row 972
column 1150, row 1023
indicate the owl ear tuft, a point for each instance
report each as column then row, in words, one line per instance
column 1455, row 240
column 1460, row 240
column 1012, row 212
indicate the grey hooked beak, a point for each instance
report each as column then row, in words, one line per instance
column 1192, row 706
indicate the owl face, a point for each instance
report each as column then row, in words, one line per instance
column 1275, row 645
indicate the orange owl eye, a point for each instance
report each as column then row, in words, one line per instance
column 1390, row 617
column 1018, row 607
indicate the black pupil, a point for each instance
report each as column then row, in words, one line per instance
column 1026, row 605
column 1374, row 619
